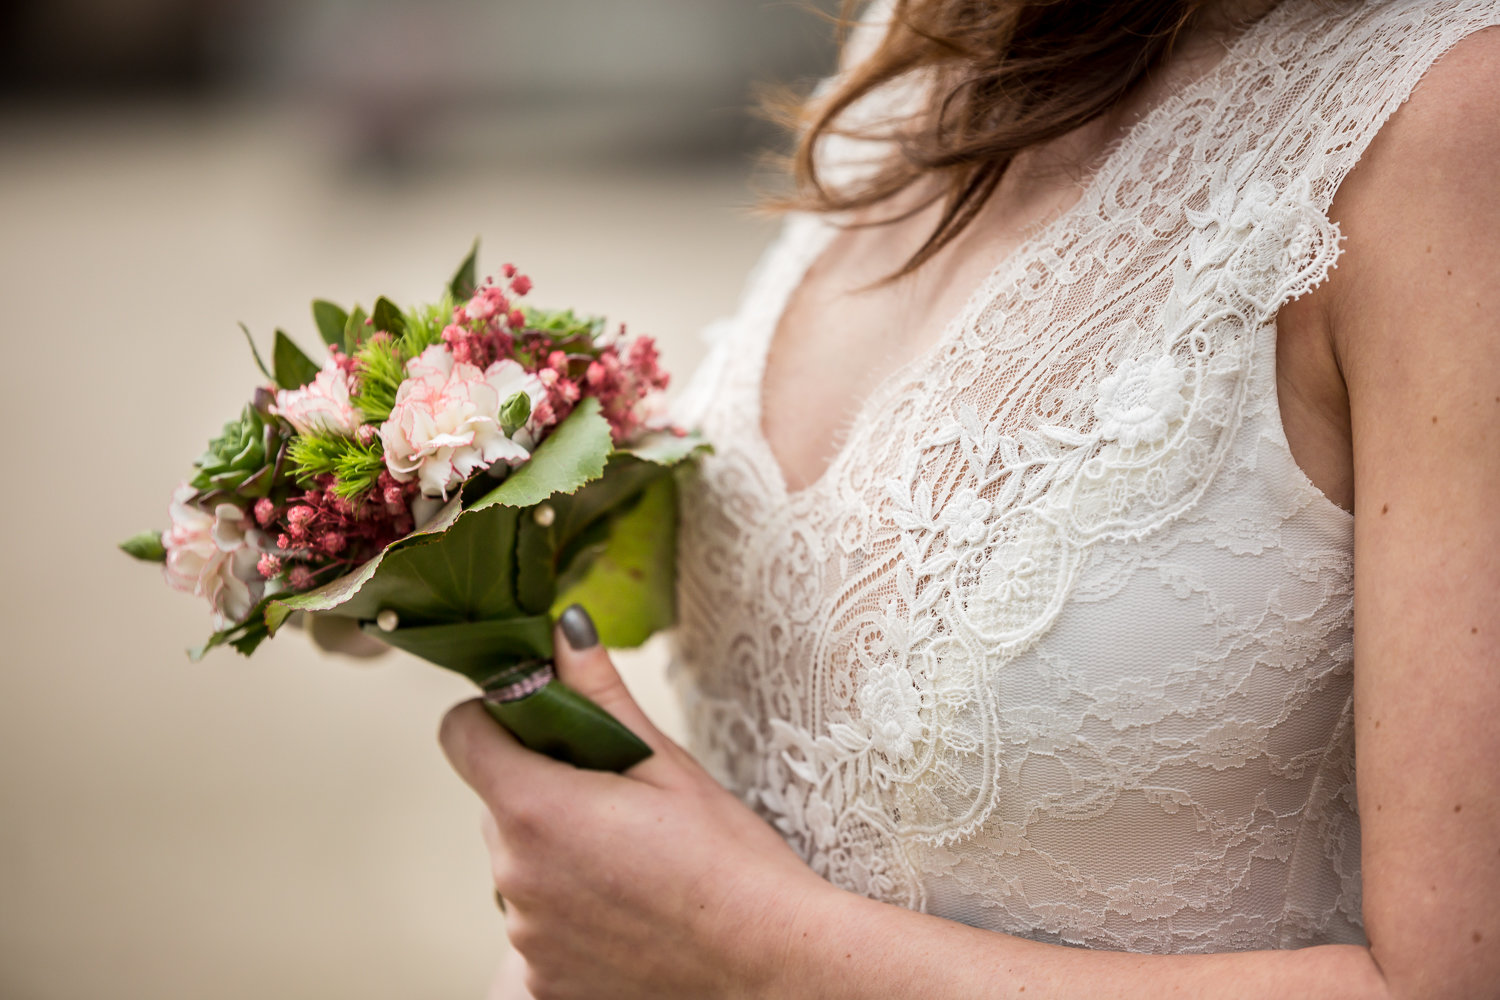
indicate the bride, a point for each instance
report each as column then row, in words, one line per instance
column 1018, row 633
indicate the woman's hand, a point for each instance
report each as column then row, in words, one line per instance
column 655, row 883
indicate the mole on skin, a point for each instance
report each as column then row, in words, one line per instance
column 1386, row 509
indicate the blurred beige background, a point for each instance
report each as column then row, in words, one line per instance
column 286, row 826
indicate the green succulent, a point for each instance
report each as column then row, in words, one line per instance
column 246, row 461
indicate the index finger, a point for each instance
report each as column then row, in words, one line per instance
column 491, row 761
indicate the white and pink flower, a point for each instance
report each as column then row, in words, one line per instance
column 215, row 556
column 445, row 424
column 321, row 406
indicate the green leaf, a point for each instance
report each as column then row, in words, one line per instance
column 244, row 637
column 387, row 317
column 624, row 478
column 146, row 547
column 667, row 448
column 629, row 588
column 478, row 650
column 573, row 454
column 255, row 353
column 536, row 570
column 355, row 330
column 465, row 280
column 293, row 368
column 336, row 593
column 466, row 575
column 331, row 321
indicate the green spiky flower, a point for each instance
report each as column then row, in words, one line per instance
column 355, row 465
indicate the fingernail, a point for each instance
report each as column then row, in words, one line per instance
column 578, row 628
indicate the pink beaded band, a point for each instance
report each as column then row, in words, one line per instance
column 528, row 685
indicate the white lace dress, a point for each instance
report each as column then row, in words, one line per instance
column 1060, row 644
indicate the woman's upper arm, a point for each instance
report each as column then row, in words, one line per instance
column 1414, row 314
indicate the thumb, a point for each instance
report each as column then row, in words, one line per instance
column 584, row 665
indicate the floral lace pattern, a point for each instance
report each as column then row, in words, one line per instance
column 1061, row 643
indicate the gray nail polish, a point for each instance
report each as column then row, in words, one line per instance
column 578, row 628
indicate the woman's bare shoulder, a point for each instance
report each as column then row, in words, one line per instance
column 1421, row 210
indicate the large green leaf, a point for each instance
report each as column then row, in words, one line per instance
column 338, row 592
column 574, row 524
column 331, row 321
column 559, row 552
column 536, row 570
column 628, row 588
column 667, row 448
column 466, row 574
column 293, row 369
column 478, row 650
column 573, row 454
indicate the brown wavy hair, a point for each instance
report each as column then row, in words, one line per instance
column 1008, row 74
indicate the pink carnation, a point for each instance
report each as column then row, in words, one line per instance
column 322, row 405
column 215, row 556
column 445, row 424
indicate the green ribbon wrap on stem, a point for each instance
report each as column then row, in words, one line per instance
column 523, row 695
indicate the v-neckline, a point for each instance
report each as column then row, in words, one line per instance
column 1004, row 272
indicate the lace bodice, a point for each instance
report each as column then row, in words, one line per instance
column 1061, row 642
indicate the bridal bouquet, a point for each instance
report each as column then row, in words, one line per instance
column 450, row 477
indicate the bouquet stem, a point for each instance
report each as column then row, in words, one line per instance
column 551, row 718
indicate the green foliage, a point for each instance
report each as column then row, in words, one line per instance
column 461, row 286
column 382, row 367
column 354, row 465
column 424, row 326
column 244, row 637
column 293, row 369
column 478, row 650
column 146, row 547
column 628, row 586
column 382, row 362
column 387, row 318
column 354, row 330
column 465, row 574
column 331, row 321
column 243, row 461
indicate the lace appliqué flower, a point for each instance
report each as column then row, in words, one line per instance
column 1139, row 402
column 1007, row 575
column 889, row 705
column 965, row 517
